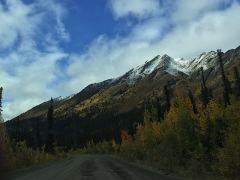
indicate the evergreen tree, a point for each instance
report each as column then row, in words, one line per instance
column 194, row 107
column 1, row 91
column 205, row 93
column 50, row 136
column 226, row 84
column 17, row 129
column 38, row 140
column 148, row 109
column 237, row 81
column 167, row 96
column 203, row 78
column 159, row 109
column 3, row 140
column 154, row 112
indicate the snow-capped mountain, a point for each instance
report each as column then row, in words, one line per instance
column 119, row 102
column 173, row 66
column 170, row 65
column 205, row 60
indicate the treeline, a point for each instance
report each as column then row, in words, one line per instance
column 70, row 130
column 25, row 143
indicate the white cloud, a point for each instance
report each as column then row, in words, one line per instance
column 27, row 71
column 109, row 58
column 187, row 10
column 16, row 22
column 59, row 12
column 150, row 30
column 138, row 8
column 30, row 85
column 216, row 29
column 31, row 75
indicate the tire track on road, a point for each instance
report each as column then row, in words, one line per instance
column 87, row 169
column 117, row 170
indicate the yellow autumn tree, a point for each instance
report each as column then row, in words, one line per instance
column 179, row 133
column 229, row 155
column 205, row 141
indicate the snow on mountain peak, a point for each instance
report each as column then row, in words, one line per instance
column 187, row 66
column 61, row 98
column 170, row 65
column 204, row 60
column 165, row 63
column 141, row 71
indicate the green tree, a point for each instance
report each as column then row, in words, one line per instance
column 226, row 84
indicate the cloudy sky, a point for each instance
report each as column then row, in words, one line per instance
column 51, row 48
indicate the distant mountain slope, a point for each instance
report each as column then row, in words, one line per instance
column 101, row 110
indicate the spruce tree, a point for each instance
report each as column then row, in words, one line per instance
column 17, row 129
column 38, row 141
column 205, row 93
column 237, row 81
column 194, row 107
column 226, row 84
column 167, row 96
column 160, row 109
column 50, row 136
column 2, row 140
column 203, row 78
column 147, row 116
column 1, row 91
column 154, row 112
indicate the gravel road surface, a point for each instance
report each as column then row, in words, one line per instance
column 90, row 167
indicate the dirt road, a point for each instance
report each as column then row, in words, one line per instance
column 90, row 167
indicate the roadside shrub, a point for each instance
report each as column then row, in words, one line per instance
column 7, row 159
column 26, row 156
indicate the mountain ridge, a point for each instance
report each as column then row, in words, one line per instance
column 106, row 107
column 170, row 65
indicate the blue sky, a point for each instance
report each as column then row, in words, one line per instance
column 55, row 48
column 86, row 20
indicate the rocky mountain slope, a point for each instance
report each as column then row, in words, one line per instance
column 101, row 110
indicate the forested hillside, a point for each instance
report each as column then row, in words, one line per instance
column 102, row 110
